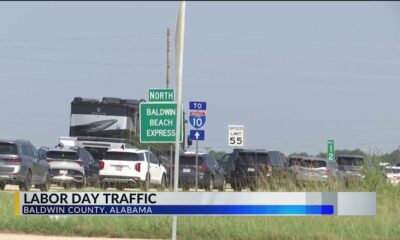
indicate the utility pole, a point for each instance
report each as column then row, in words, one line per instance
column 169, row 85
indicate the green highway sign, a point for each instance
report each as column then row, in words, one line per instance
column 331, row 150
column 158, row 122
column 161, row 95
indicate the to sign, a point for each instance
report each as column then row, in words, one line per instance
column 161, row 95
column 236, row 135
column 197, row 106
column 158, row 122
column 197, row 119
column 331, row 150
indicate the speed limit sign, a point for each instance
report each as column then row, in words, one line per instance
column 236, row 135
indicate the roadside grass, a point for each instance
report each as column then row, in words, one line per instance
column 386, row 225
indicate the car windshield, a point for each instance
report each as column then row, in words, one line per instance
column 190, row 160
column 313, row 163
column 393, row 170
column 8, row 148
column 97, row 153
column 350, row 161
column 294, row 161
column 64, row 155
column 253, row 157
column 275, row 158
column 124, row 156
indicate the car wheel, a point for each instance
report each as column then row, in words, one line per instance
column 210, row 186
column 254, row 187
column 146, row 183
column 223, row 186
column 2, row 186
column 67, row 186
column 163, row 183
column 81, row 184
column 236, row 187
column 96, row 182
column 46, row 185
column 186, row 188
column 26, row 185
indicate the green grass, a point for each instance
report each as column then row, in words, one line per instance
column 386, row 225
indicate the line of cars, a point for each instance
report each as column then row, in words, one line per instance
column 252, row 168
column 71, row 166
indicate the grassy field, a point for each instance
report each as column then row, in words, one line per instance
column 386, row 225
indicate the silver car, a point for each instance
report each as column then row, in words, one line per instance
column 20, row 164
column 67, row 167
column 314, row 169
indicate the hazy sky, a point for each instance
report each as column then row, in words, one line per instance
column 294, row 73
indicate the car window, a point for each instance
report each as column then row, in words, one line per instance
column 63, row 155
column 124, row 156
column 153, row 159
column 225, row 158
column 190, row 160
column 27, row 151
column 34, row 152
column 313, row 163
column 350, row 161
column 253, row 157
column 275, row 159
column 8, row 148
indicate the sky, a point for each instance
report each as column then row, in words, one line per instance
column 295, row 74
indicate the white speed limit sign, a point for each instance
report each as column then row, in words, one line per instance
column 236, row 136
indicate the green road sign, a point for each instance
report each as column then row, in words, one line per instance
column 161, row 95
column 158, row 122
column 331, row 150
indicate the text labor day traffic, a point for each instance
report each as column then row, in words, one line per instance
column 90, row 198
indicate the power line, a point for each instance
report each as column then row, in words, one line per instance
column 77, row 62
column 81, row 38
column 83, row 49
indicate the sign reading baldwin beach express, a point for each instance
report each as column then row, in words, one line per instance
column 158, row 117
column 195, row 203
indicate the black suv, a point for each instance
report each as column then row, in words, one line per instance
column 247, row 167
column 210, row 174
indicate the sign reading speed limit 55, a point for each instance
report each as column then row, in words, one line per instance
column 236, row 135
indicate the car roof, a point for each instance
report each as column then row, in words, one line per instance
column 250, row 150
column 14, row 141
column 349, row 156
column 64, row 149
column 311, row 158
column 192, row 153
column 130, row 150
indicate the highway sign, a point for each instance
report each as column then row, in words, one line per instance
column 197, row 135
column 161, row 95
column 197, row 119
column 236, row 135
column 197, row 106
column 158, row 123
column 331, row 150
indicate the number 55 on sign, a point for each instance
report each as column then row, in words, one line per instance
column 236, row 135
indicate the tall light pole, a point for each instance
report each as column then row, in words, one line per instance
column 179, row 42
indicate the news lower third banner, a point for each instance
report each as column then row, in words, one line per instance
column 196, row 203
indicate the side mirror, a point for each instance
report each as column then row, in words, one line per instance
column 160, row 162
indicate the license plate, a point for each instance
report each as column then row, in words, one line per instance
column 64, row 172
column 119, row 168
column 251, row 169
column 186, row 170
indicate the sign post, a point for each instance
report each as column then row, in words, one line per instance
column 331, row 150
column 197, row 119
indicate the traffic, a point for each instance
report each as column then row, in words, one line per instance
column 104, row 151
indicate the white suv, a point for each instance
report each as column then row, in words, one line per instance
column 122, row 168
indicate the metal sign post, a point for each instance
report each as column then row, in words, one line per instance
column 197, row 164
column 179, row 42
